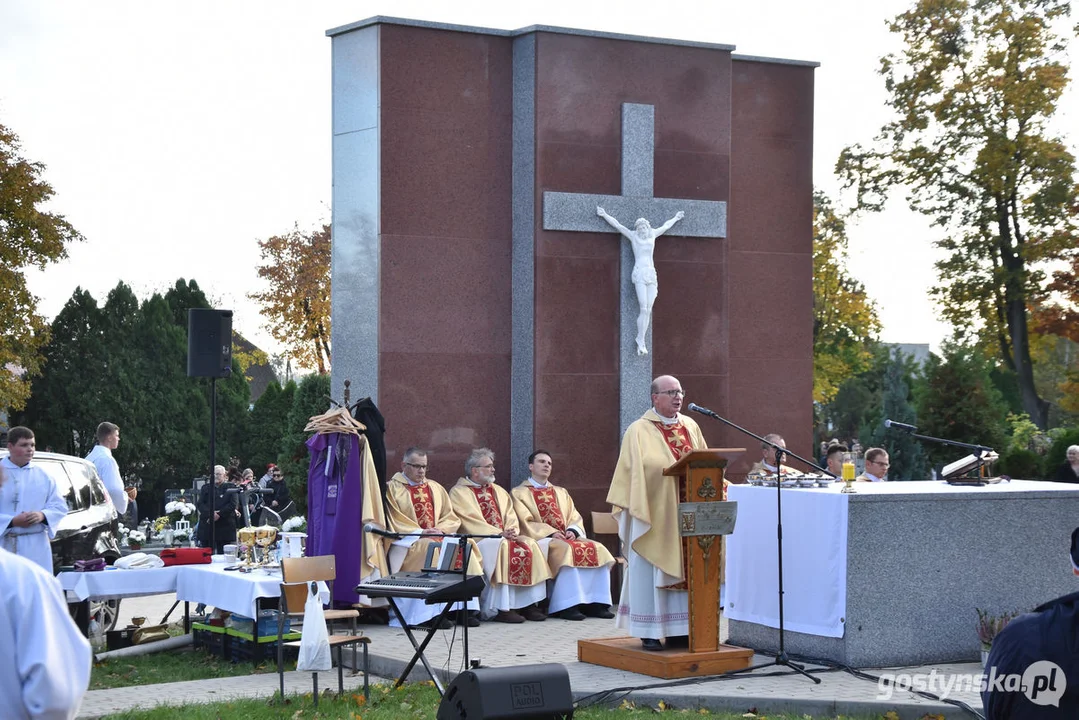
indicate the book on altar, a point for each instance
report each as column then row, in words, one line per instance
column 966, row 464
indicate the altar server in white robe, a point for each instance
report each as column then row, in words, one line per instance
column 44, row 659
column 582, row 568
column 31, row 508
column 108, row 439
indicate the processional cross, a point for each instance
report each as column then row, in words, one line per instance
column 586, row 212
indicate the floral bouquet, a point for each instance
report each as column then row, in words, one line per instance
column 181, row 535
column 134, row 539
column 989, row 625
column 161, row 523
column 296, row 523
column 179, row 509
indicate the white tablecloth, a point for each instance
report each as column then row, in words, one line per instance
column 815, row 522
column 116, row 583
column 814, row 559
column 211, row 584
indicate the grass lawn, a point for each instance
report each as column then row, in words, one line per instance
column 413, row 701
column 173, row 666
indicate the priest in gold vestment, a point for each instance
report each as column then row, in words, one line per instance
column 654, row 603
column 582, row 568
column 513, row 564
column 767, row 464
column 417, row 505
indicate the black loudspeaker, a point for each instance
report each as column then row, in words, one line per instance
column 209, row 343
column 525, row 692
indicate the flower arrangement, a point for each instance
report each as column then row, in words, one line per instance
column 181, row 535
column 161, row 523
column 989, row 625
column 179, row 509
column 135, row 539
column 296, row 523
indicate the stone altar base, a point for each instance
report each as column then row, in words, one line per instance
column 921, row 557
column 625, row 653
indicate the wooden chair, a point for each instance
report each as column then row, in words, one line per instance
column 604, row 523
column 301, row 575
column 319, row 567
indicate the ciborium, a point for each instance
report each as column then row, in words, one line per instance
column 265, row 537
column 246, row 537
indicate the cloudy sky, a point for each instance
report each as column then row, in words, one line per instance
column 176, row 134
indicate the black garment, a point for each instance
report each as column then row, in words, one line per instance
column 367, row 412
column 1049, row 633
column 214, row 497
column 281, row 497
column 1066, row 474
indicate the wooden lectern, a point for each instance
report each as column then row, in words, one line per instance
column 703, row 518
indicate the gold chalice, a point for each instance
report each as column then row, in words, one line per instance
column 265, row 537
column 246, row 536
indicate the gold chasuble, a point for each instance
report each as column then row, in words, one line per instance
column 488, row 510
column 543, row 511
column 426, row 506
column 374, row 565
column 640, row 488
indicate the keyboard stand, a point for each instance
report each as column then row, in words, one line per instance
column 466, row 552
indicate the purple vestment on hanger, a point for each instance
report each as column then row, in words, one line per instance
column 335, row 509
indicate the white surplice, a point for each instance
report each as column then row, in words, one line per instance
column 30, row 488
column 44, row 659
column 656, row 613
column 109, row 472
column 574, row 586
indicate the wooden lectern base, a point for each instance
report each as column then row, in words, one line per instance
column 626, row 653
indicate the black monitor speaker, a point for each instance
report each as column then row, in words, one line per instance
column 524, row 692
column 209, row 343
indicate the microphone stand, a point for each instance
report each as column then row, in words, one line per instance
column 977, row 450
column 782, row 659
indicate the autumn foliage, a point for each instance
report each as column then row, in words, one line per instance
column 296, row 303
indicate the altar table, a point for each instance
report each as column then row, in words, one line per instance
column 893, row 574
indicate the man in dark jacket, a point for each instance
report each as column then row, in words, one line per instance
column 280, row 502
column 217, row 512
column 1042, row 648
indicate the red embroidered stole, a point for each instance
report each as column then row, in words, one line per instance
column 677, row 438
column 584, row 552
column 422, row 505
column 520, row 572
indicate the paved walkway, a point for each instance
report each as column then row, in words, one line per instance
column 500, row 645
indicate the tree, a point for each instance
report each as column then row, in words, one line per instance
column 63, row 406
column 908, row 458
column 297, row 303
column 29, row 236
column 1061, row 319
column 844, row 317
column 266, row 426
column 974, row 89
column 957, row 401
column 310, row 399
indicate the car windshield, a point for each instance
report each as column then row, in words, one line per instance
column 76, row 498
column 88, row 474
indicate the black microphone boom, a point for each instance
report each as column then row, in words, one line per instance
column 901, row 426
column 702, row 410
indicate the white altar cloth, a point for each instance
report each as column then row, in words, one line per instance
column 112, row 583
column 815, row 526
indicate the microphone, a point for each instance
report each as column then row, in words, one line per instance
column 372, row 528
column 901, row 426
column 702, row 410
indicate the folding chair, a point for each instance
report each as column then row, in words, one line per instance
column 298, row 574
column 604, row 523
column 319, row 567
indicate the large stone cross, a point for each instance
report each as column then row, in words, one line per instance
column 577, row 212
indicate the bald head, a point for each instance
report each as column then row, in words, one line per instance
column 667, row 395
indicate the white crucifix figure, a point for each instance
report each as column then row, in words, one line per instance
column 642, row 239
column 585, row 212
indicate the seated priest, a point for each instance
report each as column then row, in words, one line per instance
column 876, row 466
column 582, row 568
column 417, row 505
column 767, row 463
column 513, row 564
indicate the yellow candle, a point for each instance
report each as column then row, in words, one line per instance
column 848, row 471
